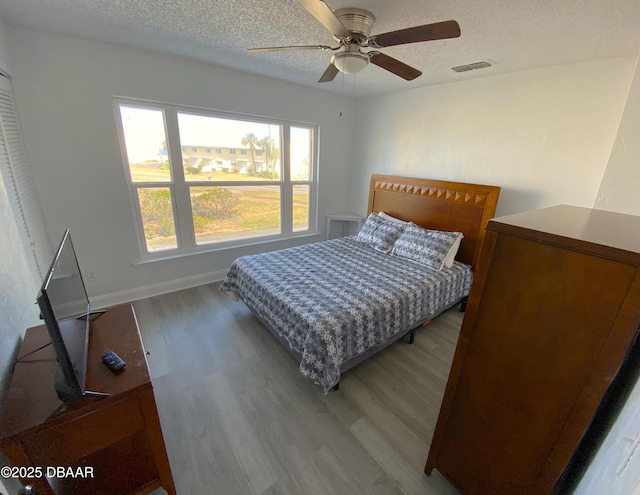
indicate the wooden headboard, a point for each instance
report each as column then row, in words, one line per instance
column 438, row 205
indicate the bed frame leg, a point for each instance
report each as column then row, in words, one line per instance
column 336, row 386
column 412, row 336
column 463, row 304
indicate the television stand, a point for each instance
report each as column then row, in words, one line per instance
column 116, row 441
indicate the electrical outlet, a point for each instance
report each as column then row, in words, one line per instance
column 91, row 276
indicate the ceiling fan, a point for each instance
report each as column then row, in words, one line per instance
column 351, row 28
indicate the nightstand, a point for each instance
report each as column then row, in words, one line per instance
column 350, row 224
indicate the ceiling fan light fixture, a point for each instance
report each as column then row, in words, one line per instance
column 351, row 30
column 350, row 62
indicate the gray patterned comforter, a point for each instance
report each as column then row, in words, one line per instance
column 333, row 300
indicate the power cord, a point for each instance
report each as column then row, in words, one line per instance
column 32, row 352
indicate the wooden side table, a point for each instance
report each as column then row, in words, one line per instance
column 348, row 220
column 114, row 443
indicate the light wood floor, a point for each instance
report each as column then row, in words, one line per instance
column 238, row 418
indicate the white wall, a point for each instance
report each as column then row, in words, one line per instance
column 620, row 191
column 5, row 64
column 17, row 297
column 65, row 87
column 620, row 188
column 544, row 135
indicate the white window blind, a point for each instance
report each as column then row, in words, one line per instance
column 19, row 183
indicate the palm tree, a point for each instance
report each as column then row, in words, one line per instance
column 271, row 153
column 251, row 140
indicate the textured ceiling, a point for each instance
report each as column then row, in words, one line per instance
column 513, row 35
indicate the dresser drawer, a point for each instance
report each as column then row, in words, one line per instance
column 81, row 436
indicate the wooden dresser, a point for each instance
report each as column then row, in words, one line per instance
column 551, row 316
column 108, row 446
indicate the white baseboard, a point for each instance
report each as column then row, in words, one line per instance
column 130, row 295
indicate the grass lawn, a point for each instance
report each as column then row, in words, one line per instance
column 256, row 208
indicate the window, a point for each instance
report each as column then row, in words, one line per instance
column 186, row 202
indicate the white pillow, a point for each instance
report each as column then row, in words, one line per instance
column 386, row 216
column 451, row 255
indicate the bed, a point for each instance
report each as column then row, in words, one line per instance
column 335, row 303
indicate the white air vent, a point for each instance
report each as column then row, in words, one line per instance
column 476, row 65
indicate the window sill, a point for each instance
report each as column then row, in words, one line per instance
column 165, row 256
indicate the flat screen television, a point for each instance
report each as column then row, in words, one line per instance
column 65, row 309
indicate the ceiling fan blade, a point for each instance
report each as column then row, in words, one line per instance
column 428, row 32
column 326, row 17
column 288, row 48
column 394, row 66
column 329, row 74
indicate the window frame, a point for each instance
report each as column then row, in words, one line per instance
column 179, row 186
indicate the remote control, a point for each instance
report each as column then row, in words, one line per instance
column 113, row 361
